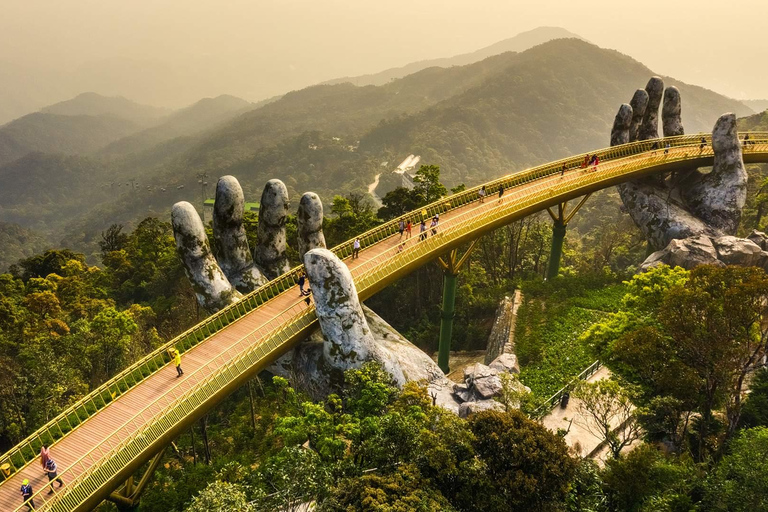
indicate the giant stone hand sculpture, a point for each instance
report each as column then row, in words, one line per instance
column 689, row 218
column 351, row 334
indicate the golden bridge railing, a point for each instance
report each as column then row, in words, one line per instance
column 374, row 270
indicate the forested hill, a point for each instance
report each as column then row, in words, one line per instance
column 478, row 121
column 18, row 243
column 556, row 99
column 203, row 115
column 54, row 133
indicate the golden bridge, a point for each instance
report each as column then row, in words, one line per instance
column 105, row 438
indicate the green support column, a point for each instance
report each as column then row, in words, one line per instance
column 451, row 269
column 446, row 322
column 558, row 236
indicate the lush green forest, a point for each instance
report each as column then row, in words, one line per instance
column 377, row 447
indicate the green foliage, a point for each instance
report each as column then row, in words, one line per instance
column 646, row 480
column 220, row 496
column 755, row 412
column 401, row 491
column 550, row 324
column 528, row 466
column 740, row 480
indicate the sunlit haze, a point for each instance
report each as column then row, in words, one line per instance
column 173, row 52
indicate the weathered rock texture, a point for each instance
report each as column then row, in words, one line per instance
column 672, row 122
column 649, row 129
column 234, row 255
column 310, row 223
column 502, row 337
column 638, row 104
column 621, row 126
column 350, row 334
column 349, row 342
column 684, row 216
column 269, row 253
column 212, row 288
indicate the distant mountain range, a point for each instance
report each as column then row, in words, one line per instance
column 518, row 43
column 477, row 121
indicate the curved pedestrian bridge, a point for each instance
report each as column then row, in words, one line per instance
column 103, row 439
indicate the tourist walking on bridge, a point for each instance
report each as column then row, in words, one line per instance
column 26, row 495
column 703, row 144
column 481, row 194
column 53, row 474
column 423, row 231
column 45, row 454
column 302, row 280
column 501, row 191
column 562, row 171
column 408, row 228
column 177, row 361
column 401, row 228
column 356, row 248
column 433, row 225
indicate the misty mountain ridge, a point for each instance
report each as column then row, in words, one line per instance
column 519, row 43
column 479, row 121
column 94, row 104
column 203, row 115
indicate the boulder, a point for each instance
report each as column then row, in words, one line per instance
column 506, row 363
column 687, row 253
column 462, row 392
column 740, row 251
column 469, row 408
column 760, row 238
column 483, row 380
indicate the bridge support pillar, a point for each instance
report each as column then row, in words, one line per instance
column 451, row 267
column 127, row 497
column 560, row 219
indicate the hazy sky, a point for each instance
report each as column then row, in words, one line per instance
column 186, row 49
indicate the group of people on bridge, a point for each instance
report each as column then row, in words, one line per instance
column 50, row 469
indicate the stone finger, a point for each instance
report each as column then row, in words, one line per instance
column 232, row 250
column 639, row 103
column 719, row 196
column 348, row 341
column 672, row 124
column 649, row 129
column 269, row 253
column 211, row 286
column 310, row 223
column 621, row 125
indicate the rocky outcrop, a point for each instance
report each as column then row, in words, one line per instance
column 469, row 408
column 269, row 253
column 501, row 339
column 686, row 253
column 506, row 363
